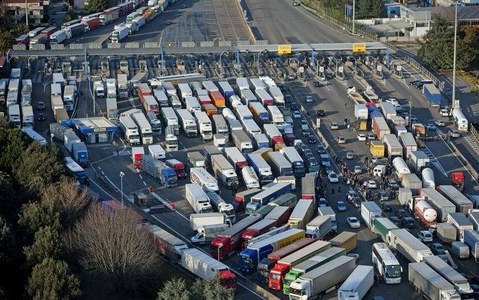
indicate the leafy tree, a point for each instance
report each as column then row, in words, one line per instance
column 174, row 289
column 97, row 5
column 6, row 41
column 210, row 289
column 12, row 143
column 468, row 47
column 438, row 43
column 47, row 244
column 51, row 280
column 110, row 243
column 20, row 29
column 35, row 216
column 9, row 202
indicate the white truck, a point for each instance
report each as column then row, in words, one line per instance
column 111, row 88
column 196, row 159
column 206, row 219
column 132, row 27
column 204, row 126
column 26, row 93
column 197, row 198
column 403, row 242
column 169, row 245
column 161, row 97
column 171, row 120
column 370, row 211
column 461, row 222
column 459, row 282
column 457, row 198
column 207, row 181
column 122, row 80
column 250, row 178
column 418, row 160
column 388, row 109
column 361, row 111
column 27, row 117
column 119, row 34
column 358, row 284
column 157, row 152
column 277, row 95
column 112, row 109
column 58, row 37
column 325, row 277
column 206, row 233
column 221, row 206
column 224, row 171
column 430, row 284
column 328, row 211
column 69, row 96
column 393, row 146
column 99, row 89
column 171, row 140
column 130, row 130
column 187, row 122
column 14, row 114
column 318, row 227
column 144, row 126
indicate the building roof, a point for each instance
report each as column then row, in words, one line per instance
column 96, row 124
column 463, row 12
column 22, row 2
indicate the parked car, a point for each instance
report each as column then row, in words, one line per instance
column 454, row 133
column 323, row 202
column 370, row 184
column 316, row 84
column 425, row 236
column 413, row 119
column 294, row 106
column 408, row 222
column 353, row 222
column 41, row 117
column 357, row 202
column 382, row 196
column 393, row 184
column 393, row 101
column 358, row 170
column 371, row 136
column 341, row 140
column 41, row 105
column 334, row 126
column 341, row 206
column 361, row 137
column 440, row 123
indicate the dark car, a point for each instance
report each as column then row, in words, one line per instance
column 294, row 106
column 408, row 222
column 41, row 105
column 395, row 220
column 387, row 207
column 475, row 290
column 401, row 213
column 316, row 84
column 393, row 184
column 414, row 82
column 312, row 139
column 41, row 117
column 357, row 202
column 437, row 249
column 320, row 113
column 320, row 149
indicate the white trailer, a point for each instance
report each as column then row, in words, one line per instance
column 192, row 105
column 119, row 34
column 460, row 282
column 205, row 219
column 122, row 80
column 69, row 96
column 197, row 198
column 403, row 242
column 130, row 130
column 204, row 126
column 430, row 284
column 318, row 227
column 157, row 152
column 224, row 171
column 242, row 83
column 370, row 211
column 187, row 122
column 207, row 181
column 401, row 167
column 357, row 284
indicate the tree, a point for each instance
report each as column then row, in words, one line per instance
column 6, row 41
column 210, row 289
column 51, row 280
column 47, row 244
column 468, row 47
column 110, row 243
column 10, row 204
column 20, row 29
column 437, row 49
column 13, row 142
column 35, row 216
column 97, row 5
column 174, row 289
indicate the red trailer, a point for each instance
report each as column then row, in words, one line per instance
column 255, row 230
column 144, row 90
column 126, row 8
column 91, row 23
column 48, row 32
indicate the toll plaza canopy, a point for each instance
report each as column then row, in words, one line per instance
column 96, row 130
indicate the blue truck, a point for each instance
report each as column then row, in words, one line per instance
column 261, row 167
column 80, row 154
column 432, row 95
column 247, row 97
column 226, row 89
column 263, row 198
column 250, row 257
column 159, row 170
column 295, row 159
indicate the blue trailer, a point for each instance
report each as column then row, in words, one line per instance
column 226, row 89
column 250, row 257
column 263, row 198
column 261, row 167
column 432, row 94
column 75, row 30
column 471, row 239
column 248, row 97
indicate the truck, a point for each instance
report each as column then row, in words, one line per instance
column 388, row 110
column 206, row 219
column 27, row 116
column 159, row 171
column 99, row 89
column 206, row 268
column 418, row 129
column 355, row 96
column 137, row 154
column 236, row 158
column 197, row 198
column 80, row 154
column 473, row 217
column 58, row 37
column 370, row 95
column 318, row 227
column 187, row 122
column 205, row 234
column 264, row 97
column 357, row 284
column 242, row 141
column 428, row 180
column 400, row 167
column 178, row 166
column 209, row 151
column 418, row 160
column 40, row 39
column 250, row 257
column 224, row 171
column 111, row 88
column 462, row 224
column 369, row 211
column 380, row 127
column 457, row 180
column 109, row 15
column 328, row 211
column 250, row 179
column 284, row 265
column 146, row 132
column 157, row 152
column 308, row 190
column 297, row 163
column 196, row 159
column 432, row 95
column 91, row 23
column 261, row 167
column 227, row 243
column 221, row 206
column 382, row 226
column 347, row 240
column 459, row 249
column 119, row 34
column 242, row 198
column 408, row 142
column 218, row 100
column 279, row 164
column 302, row 214
column 361, row 111
column 278, row 97
column 274, row 135
column 161, row 97
column 70, row 138
column 155, row 124
column 247, row 97
column 411, row 181
column 192, row 104
column 72, row 31
column 130, row 130
column 256, row 230
column 266, row 196
column 459, row 282
column 171, row 119
column 429, row 283
column 461, row 202
column 471, row 239
column 393, row 146
column 403, row 242
column 122, row 80
column 317, row 281
column 442, row 205
column 446, row 232
column 169, row 245
column 171, row 140
column 204, row 126
column 132, row 27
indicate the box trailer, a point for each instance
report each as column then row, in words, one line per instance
column 357, row 284
column 430, row 284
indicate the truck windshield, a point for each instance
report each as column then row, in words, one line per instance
column 134, row 137
column 275, row 276
column 228, row 281
column 172, row 177
column 296, row 291
column 393, row 271
column 287, row 281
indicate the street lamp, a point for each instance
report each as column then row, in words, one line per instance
column 454, row 60
column 410, row 111
column 121, row 187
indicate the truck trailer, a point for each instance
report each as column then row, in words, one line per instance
column 357, row 284
column 403, row 242
column 430, row 284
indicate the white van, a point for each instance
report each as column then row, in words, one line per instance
column 379, row 170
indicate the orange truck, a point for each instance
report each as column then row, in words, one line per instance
column 457, row 180
column 218, row 99
column 418, row 129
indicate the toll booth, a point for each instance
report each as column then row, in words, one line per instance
column 97, row 130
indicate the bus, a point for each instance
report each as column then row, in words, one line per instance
column 76, row 171
column 386, row 263
column 35, row 32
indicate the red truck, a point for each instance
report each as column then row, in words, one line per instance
column 266, row 264
column 144, row 90
column 91, row 23
column 227, row 242
column 457, row 180
column 178, row 166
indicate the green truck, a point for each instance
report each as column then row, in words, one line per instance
column 382, row 226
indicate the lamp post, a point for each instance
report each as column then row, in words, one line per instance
column 410, row 111
column 354, row 13
column 26, row 12
column 454, row 60
column 121, row 187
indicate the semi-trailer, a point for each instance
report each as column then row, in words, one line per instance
column 197, row 198
column 205, row 234
column 279, row 164
column 302, row 214
column 261, row 167
column 318, row 227
column 403, row 242
column 159, row 171
column 328, row 211
column 357, row 284
column 471, row 239
column 169, row 245
column 267, row 195
column 228, row 242
column 442, row 205
column 393, row 146
column 255, row 230
column 446, row 232
column 242, row 198
column 461, row 202
column 369, row 211
column 382, row 226
column 462, row 224
column 206, row 219
column 221, row 206
column 347, row 240
column 323, row 278
column 284, row 265
column 242, row 141
column 308, row 189
column 224, row 171
column 250, row 257
column 430, row 284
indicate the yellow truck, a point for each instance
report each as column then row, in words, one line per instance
column 377, row 148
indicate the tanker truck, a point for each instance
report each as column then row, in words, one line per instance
column 424, row 212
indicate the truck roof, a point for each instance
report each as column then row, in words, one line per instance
column 240, row 226
column 311, row 247
column 334, row 264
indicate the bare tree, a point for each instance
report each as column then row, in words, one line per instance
column 110, row 243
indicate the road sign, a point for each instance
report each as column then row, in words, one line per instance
column 284, row 49
column 359, row 47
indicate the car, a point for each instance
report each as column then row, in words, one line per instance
column 370, row 184
column 444, row 112
column 328, row 169
column 296, row 114
column 371, row 136
column 404, row 114
column 323, row 202
column 408, row 222
column 349, row 155
column 320, row 149
column 395, row 220
column 320, row 113
column 393, row 184
column 454, row 133
column 401, row 213
column 382, row 196
column 168, row 22
column 437, row 248
column 424, row 236
column 341, row 206
column 353, row 222
column 316, row 84
column 356, row 256
column 386, row 207
column 309, row 99
column 334, row 126
column 414, row 82
column 333, row 177
column 362, row 137
column 341, row 140
column 413, row 119
column 41, row 117
column 296, row 3
column 357, row 202
column 475, row 290
column 440, row 123
column 312, row 139
column 399, row 109
column 358, row 170
column 393, row 101
column 183, row 6
column 41, row 105
column 292, row 76
column 430, row 127
column 293, row 106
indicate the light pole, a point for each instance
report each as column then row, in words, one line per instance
column 354, row 17
column 410, row 111
column 454, row 60
column 26, row 12
column 121, row 187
